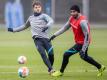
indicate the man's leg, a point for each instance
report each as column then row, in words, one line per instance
column 75, row 49
column 90, row 60
column 41, row 50
column 49, row 49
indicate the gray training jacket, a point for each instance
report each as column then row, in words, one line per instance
column 37, row 24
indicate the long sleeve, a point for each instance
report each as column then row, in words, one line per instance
column 84, row 26
column 49, row 20
column 23, row 27
column 63, row 29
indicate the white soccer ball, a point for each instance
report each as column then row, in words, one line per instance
column 22, row 59
column 23, row 72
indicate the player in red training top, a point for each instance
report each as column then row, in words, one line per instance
column 81, row 29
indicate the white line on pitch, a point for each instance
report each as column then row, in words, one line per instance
column 44, row 72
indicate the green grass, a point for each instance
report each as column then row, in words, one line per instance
column 13, row 45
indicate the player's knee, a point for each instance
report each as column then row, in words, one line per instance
column 51, row 55
column 66, row 55
column 82, row 56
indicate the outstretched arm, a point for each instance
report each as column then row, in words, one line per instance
column 63, row 29
column 84, row 26
column 23, row 27
column 20, row 28
column 60, row 31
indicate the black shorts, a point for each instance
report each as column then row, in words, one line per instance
column 75, row 49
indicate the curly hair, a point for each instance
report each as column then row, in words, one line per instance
column 36, row 2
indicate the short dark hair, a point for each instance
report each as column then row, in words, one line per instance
column 36, row 2
column 76, row 8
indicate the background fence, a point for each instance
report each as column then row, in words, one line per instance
column 60, row 9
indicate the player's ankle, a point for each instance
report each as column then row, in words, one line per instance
column 61, row 71
column 51, row 71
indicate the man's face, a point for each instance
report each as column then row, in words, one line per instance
column 37, row 8
column 74, row 13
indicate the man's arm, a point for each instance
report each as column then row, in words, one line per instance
column 84, row 26
column 63, row 29
column 49, row 21
column 20, row 28
column 60, row 31
column 23, row 27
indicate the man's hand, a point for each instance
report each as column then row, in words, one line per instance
column 44, row 29
column 52, row 37
column 10, row 29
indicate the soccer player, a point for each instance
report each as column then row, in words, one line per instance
column 81, row 30
column 40, row 23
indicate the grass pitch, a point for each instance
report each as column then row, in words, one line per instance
column 12, row 45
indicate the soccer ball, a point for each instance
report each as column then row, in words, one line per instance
column 22, row 59
column 23, row 72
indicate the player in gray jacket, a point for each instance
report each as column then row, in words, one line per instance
column 39, row 24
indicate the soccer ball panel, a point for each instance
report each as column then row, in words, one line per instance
column 23, row 72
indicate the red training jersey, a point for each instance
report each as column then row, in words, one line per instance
column 77, row 30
